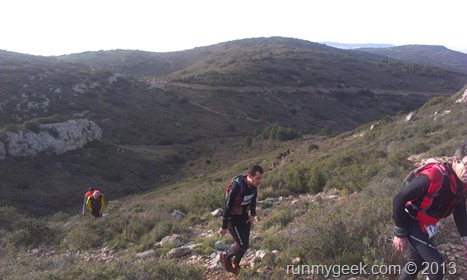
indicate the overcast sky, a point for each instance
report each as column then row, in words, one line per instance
column 56, row 27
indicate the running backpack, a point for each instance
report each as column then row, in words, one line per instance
column 242, row 202
column 414, row 173
column 237, row 179
column 431, row 207
column 90, row 192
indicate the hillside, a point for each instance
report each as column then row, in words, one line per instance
column 438, row 56
column 274, row 61
column 152, row 131
column 326, row 203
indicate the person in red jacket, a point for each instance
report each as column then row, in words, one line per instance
column 438, row 191
column 94, row 202
column 239, row 215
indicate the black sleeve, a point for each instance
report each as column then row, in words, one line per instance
column 229, row 203
column 415, row 189
column 460, row 217
column 253, row 203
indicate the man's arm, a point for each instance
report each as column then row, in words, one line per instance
column 229, row 203
column 415, row 189
column 88, row 204
column 253, row 203
column 84, row 204
column 102, row 204
column 253, row 208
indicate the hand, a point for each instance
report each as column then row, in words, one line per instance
column 400, row 243
column 222, row 231
column 251, row 220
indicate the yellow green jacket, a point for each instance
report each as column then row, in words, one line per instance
column 90, row 203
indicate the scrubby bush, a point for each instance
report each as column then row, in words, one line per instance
column 118, row 228
column 32, row 125
column 316, row 181
column 278, row 133
column 331, row 232
column 248, row 141
column 280, row 218
column 312, row 147
column 20, row 231
column 296, row 178
column 348, row 171
column 73, row 267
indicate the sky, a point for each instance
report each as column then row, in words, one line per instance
column 58, row 27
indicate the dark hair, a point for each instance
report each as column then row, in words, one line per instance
column 255, row 168
column 461, row 152
column 91, row 189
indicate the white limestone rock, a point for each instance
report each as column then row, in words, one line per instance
column 56, row 138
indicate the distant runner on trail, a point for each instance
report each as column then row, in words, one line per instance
column 239, row 215
column 438, row 190
column 94, row 202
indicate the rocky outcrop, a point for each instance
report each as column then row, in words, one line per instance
column 411, row 117
column 56, row 138
column 463, row 98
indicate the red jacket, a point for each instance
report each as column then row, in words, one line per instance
column 427, row 201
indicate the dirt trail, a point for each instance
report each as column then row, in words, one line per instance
column 227, row 115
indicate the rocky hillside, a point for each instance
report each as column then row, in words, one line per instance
column 171, row 232
column 193, row 94
column 163, row 117
column 438, row 56
column 281, row 62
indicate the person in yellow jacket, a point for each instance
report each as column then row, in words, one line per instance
column 95, row 203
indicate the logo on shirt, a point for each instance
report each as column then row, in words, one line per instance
column 247, row 199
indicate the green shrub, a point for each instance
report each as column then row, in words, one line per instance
column 335, row 237
column 10, row 128
column 20, row 231
column 248, row 141
column 313, row 147
column 274, row 239
column 272, row 132
column 280, row 217
column 316, row 181
column 84, row 235
column 59, row 217
column 71, row 267
column 296, row 179
column 32, row 125
column 325, row 131
column 212, row 199
column 275, row 179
